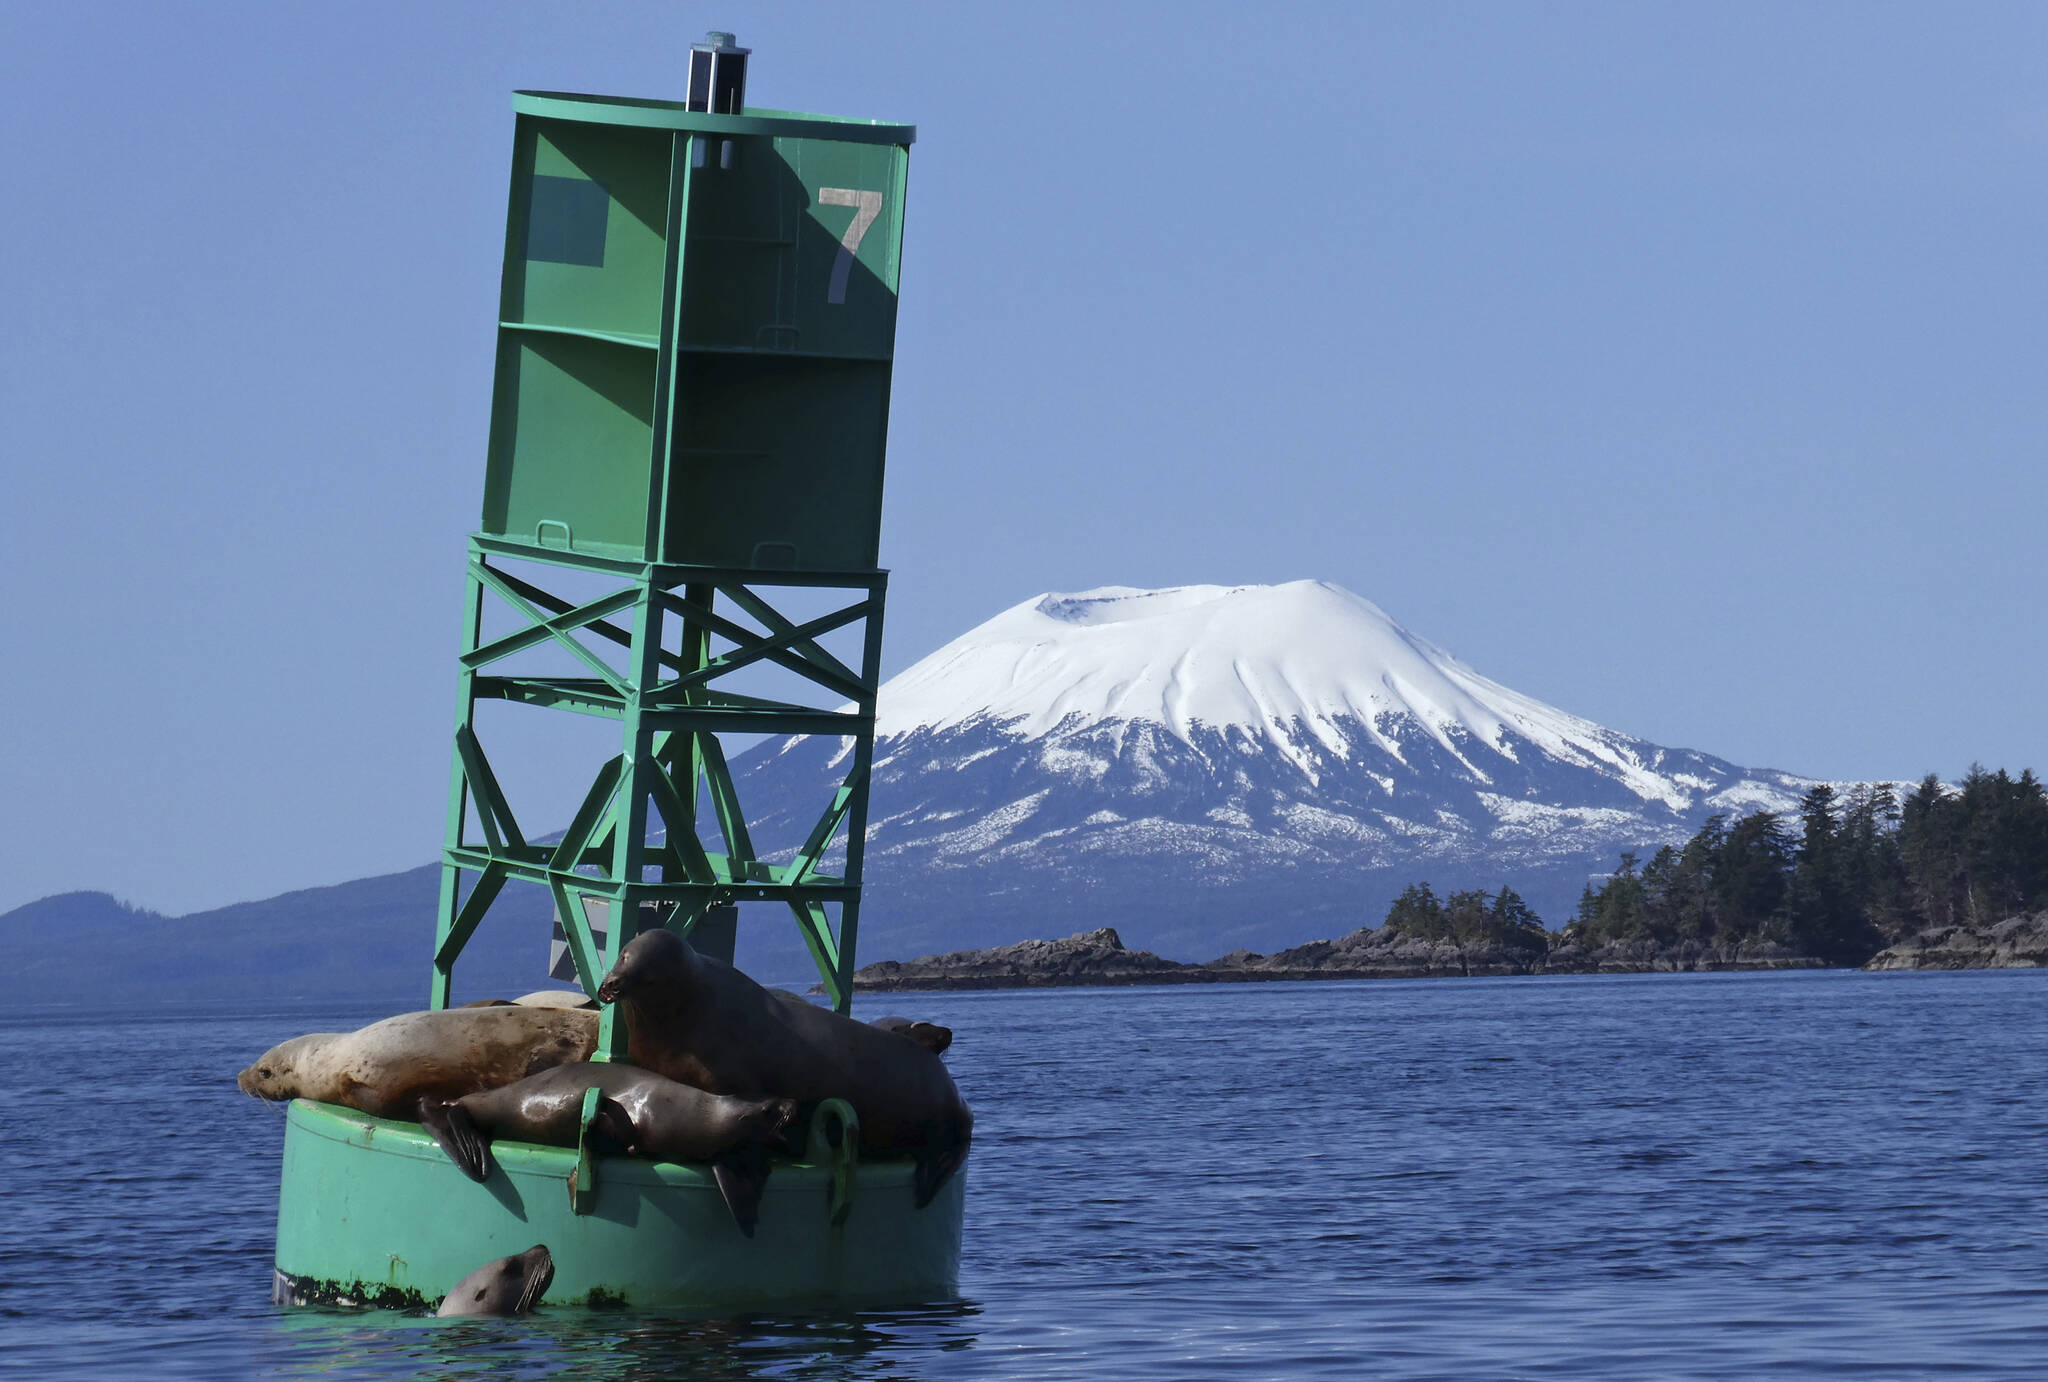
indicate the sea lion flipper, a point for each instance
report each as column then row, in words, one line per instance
column 613, row 1126
column 459, row 1136
column 742, row 1176
column 935, row 1166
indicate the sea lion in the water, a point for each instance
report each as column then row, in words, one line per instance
column 697, row 1020
column 929, row 1035
column 386, row 1067
column 509, row 1286
column 647, row 1114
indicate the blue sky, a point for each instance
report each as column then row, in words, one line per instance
column 1677, row 364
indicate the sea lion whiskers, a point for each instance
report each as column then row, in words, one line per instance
column 536, row 1284
column 506, row 1286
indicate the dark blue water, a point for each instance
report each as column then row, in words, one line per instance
column 1725, row 1176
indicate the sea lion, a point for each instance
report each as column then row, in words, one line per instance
column 539, row 998
column 929, row 1035
column 386, row 1067
column 557, row 998
column 509, row 1286
column 697, row 1020
column 647, row 1114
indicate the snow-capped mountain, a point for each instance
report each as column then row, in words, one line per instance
column 1207, row 767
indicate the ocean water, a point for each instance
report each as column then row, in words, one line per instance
column 1688, row 1176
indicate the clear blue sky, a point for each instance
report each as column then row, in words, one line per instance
column 1681, row 365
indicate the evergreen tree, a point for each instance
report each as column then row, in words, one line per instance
column 1617, row 910
column 1821, row 919
column 2001, row 844
column 1874, row 876
column 1515, row 925
column 1695, row 911
column 1465, row 917
column 1417, row 913
column 1928, row 821
column 1752, row 877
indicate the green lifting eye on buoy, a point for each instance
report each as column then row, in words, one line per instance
column 695, row 342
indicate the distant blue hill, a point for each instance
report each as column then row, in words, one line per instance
column 366, row 941
column 369, row 941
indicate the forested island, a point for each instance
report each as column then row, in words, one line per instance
column 1931, row 878
column 1854, row 874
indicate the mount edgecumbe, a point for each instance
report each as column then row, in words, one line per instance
column 1204, row 768
column 1211, row 767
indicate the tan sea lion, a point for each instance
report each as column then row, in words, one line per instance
column 929, row 1035
column 539, row 998
column 386, row 1067
column 697, row 1020
column 557, row 998
column 646, row 1114
column 509, row 1286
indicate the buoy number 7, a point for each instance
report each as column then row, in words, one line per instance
column 867, row 206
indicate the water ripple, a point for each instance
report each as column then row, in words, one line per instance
column 1802, row 1175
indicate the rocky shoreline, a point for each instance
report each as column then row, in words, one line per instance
column 1099, row 958
column 2015, row 943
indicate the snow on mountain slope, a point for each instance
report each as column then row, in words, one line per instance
column 1212, row 766
column 1274, row 661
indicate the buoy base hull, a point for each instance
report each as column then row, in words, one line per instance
column 372, row 1212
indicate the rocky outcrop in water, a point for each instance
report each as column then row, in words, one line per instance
column 1099, row 958
column 1093, row 957
column 2015, row 943
column 1648, row 957
column 1377, row 954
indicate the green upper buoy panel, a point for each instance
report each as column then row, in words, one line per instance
column 696, row 329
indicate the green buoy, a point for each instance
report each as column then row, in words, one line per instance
column 696, row 335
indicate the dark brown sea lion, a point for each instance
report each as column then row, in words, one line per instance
column 702, row 1022
column 508, row 1286
column 386, row 1067
column 646, row 1114
column 929, row 1035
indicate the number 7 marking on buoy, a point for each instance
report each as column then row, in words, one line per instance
column 868, row 205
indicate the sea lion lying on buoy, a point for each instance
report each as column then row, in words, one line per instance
column 697, row 1020
column 509, row 1286
column 386, row 1067
column 557, row 998
column 929, row 1035
column 646, row 1114
column 539, row 998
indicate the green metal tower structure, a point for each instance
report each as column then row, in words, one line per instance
column 695, row 343
column 695, row 340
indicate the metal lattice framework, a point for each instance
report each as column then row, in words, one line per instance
column 673, row 711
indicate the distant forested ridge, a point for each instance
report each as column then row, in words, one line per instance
column 1853, row 873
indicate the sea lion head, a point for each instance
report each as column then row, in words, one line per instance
column 929, row 1035
column 275, row 1075
column 508, row 1286
column 652, row 959
column 768, row 1120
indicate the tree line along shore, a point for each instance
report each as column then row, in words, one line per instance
column 1934, row 877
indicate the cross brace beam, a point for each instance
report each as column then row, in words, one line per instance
column 673, row 715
